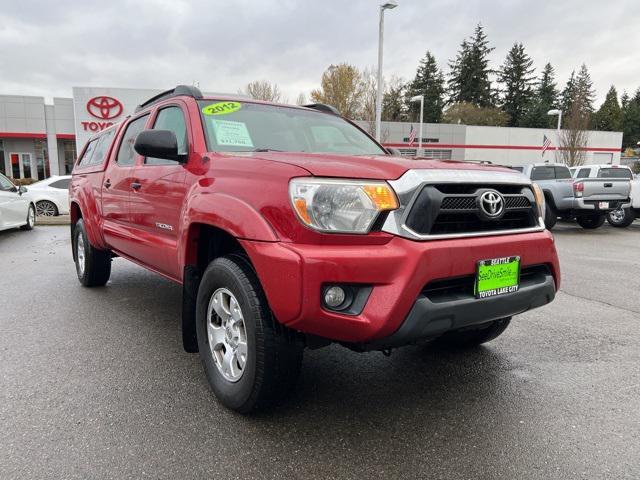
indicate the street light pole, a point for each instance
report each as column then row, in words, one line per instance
column 559, row 114
column 415, row 99
column 388, row 5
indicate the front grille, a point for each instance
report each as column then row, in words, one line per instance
column 454, row 209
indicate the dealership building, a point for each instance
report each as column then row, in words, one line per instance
column 38, row 139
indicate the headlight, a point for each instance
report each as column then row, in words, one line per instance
column 539, row 194
column 346, row 206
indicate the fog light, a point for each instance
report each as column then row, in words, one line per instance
column 334, row 296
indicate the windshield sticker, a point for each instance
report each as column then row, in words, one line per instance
column 221, row 108
column 233, row 134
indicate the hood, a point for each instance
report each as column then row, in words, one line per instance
column 376, row 167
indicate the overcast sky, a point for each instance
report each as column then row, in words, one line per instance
column 47, row 47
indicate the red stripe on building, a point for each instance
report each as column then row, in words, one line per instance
column 22, row 135
column 65, row 136
column 432, row 146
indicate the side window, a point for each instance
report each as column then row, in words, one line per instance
column 583, row 173
column 61, row 184
column 126, row 153
column 562, row 173
column 172, row 119
column 5, row 184
column 88, row 153
column 102, row 148
column 543, row 173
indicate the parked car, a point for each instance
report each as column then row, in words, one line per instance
column 589, row 200
column 623, row 216
column 16, row 206
column 51, row 196
column 290, row 227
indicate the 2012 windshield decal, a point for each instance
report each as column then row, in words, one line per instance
column 221, row 108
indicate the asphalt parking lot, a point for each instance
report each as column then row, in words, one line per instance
column 95, row 384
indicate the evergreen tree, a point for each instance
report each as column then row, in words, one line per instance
column 393, row 109
column 584, row 89
column 609, row 116
column 517, row 76
column 429, row 81
column 568, row 94
column 469, row 77
column 544, row 99
column 624, row 100
column 631, row 121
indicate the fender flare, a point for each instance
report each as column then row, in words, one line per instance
column 231, row 214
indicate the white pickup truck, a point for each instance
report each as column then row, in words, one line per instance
column 624, row 216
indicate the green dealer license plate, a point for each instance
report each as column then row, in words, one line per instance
column 497, row 276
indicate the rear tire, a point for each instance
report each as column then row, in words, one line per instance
column 591, row 222
column 472, row 337
column 233, row 320
column 45, row 208
column 31, row 218
column 550, row 216
column 621, row 218
column 93, row 266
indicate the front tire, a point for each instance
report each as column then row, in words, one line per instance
column 591, row 222
column 31, row 218
column 621, row 218
column 45, row 208
column 93, row 266
column 251, row 361
column 472, row 337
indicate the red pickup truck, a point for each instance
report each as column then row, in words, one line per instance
column 290, row 228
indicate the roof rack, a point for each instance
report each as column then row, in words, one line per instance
column 323, row 108
column 180, row 90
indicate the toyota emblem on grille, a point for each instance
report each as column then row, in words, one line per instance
column 491, row 204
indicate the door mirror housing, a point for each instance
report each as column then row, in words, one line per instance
column 159, row 144
column 394, row 152
column 22, row 189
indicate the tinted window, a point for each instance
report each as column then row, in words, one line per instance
column 88, row 153
column 61, row 184
column 245, row 127
column 583, row 173
column 518, row 169
column 543, row 173
column 126, row 154
column 615, row 173
column 562, row 173
column 5, row 184
column 171, row 119
column 102, row 148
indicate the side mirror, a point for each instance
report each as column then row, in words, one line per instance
column 22, row 190
column 159, row 144
column 394, row 152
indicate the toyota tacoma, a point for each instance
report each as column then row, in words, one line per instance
column 291, row 228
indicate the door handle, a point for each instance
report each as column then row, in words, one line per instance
column 136, row 185
column 107, row 183
column 608, row 185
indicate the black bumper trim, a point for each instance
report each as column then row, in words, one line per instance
column 429, row 319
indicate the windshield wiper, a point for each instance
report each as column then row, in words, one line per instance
column 266, row 150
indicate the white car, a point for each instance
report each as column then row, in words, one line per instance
column 16, row 207
column 51, row 196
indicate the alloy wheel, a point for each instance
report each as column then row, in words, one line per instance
column 227, row 334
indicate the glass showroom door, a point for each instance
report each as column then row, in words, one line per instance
column 22, row 166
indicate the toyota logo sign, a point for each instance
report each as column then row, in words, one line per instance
column 104, row 107
column 491, row 204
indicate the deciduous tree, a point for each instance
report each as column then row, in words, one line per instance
column 341, row 87
column 263, row 90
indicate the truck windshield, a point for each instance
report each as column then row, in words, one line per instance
column 249, row 127
column 615, row 173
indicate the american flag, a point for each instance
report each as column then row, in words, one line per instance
column 412, row 135
column 546, row 143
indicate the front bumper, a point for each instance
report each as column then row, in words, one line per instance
column 292, row 276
